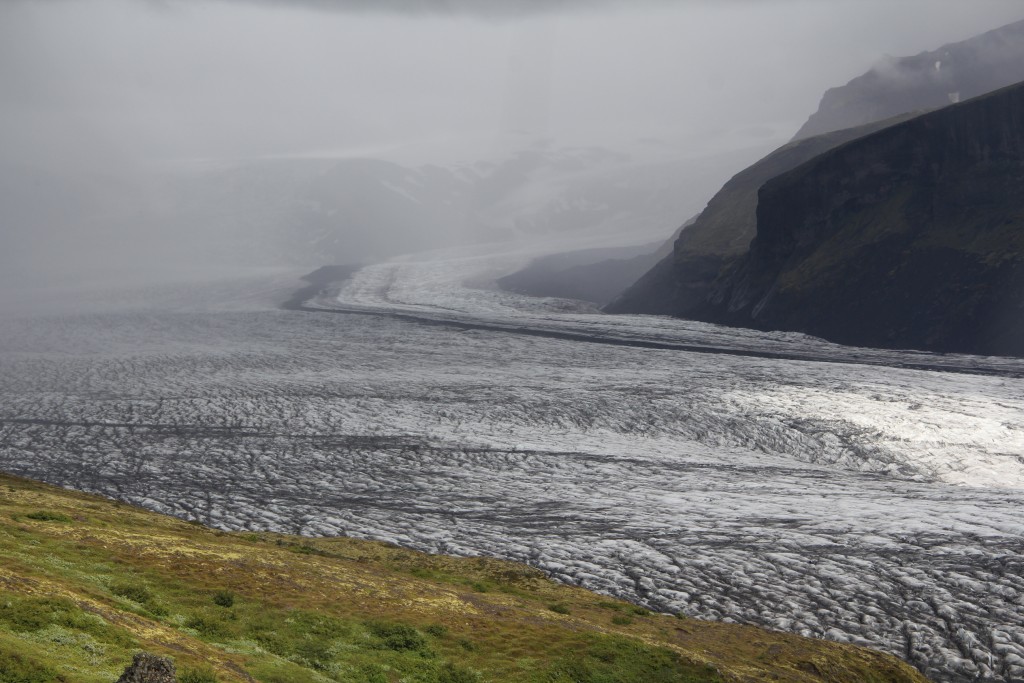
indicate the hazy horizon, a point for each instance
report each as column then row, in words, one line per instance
column 96, row 94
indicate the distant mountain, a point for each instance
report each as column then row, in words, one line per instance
column 594, row 275
column 307, row 212
column 310, row 212
column 930, row 80
column 910, row 237
column 600, row 275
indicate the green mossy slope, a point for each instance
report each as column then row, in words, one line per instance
column 86, row 582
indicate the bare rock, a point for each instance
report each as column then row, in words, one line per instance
column 148, row 668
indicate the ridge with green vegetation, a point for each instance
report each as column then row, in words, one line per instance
column 689, row 283
column 912, row 237
column 87, row 582
column 681, row 282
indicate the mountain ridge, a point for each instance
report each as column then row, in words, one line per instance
column 910, row 237
column 680, row 283
column 923, row 82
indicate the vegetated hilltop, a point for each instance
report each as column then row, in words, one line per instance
column 954, row 72
column 890, row 93
column 86, row 582
column 912, row 237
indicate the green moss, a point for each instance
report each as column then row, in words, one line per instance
column 359, row 612
column 17, row 668
column 277, row 671
column 620, row 660
column 55, row 636
column 27, row 614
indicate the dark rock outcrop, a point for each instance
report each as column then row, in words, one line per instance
column 894, row 91
column 910, row 237
column 147, row 668
column 930, row 80
column 680, row 283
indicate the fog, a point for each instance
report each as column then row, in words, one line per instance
column 171, row 135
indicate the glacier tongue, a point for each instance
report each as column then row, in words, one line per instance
column 866, row 496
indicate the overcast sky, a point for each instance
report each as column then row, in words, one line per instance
column 92, row 92
column 84, row 80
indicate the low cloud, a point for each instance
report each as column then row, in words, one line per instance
column 481, row 8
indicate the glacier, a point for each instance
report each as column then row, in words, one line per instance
column 866, row 496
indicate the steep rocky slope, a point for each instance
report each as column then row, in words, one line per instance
column 954, row 72
column 680, row 283
column 911, row 237
column 893, row 91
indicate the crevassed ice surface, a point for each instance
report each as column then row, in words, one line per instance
column 865, row 496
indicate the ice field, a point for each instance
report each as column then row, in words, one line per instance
column 866, row 496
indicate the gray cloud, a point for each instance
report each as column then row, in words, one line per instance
column 480, row 8
column 92, row 91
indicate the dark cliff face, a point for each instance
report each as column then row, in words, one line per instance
column 928, row 81
column 690, row 282
column 910, row 237
column 681, row 282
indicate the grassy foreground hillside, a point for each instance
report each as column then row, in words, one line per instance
column 86, row 582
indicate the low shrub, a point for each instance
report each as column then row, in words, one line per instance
column 436, row 630
column 198, row 675
column 208, row 626
column 453, row 673
column 47, row 516
column 313, row 652
column 397, row 637
column 156, row 609
column 224, row 599
column 135, row 592
column 373, row 673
